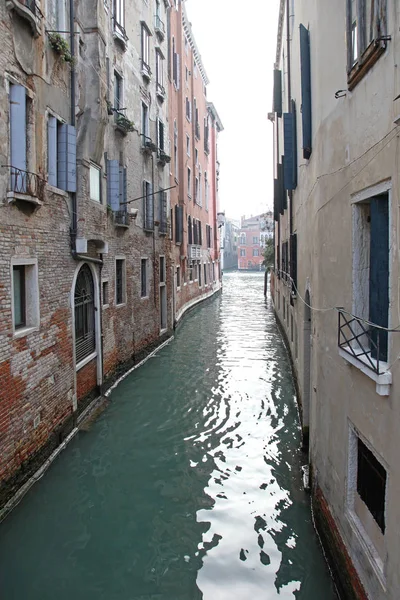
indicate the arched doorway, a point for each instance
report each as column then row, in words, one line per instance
column 306, row 399
column 85, row 330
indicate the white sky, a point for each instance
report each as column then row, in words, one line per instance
column 238, row 54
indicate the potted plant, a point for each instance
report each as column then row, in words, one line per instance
column 125, row 124
column 60, row 45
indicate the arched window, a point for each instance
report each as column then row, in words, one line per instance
column 85, row 342
column 190, row 231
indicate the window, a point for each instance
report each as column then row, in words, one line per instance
column 189, row 181
column 242, row 252
column 61, row 154
column 195, row 231
column 178, row 224
column 120, row 281
column 160, row 73
column 188, row 109
column 196, row 156
column 145, row 122
column 242, row 239
column 85, row 340
column 199, row 198
column 371, row 269
column 187, row 144
column 187, row 75
column 162, row 269
column 95, row 183
column 118, row 94
column 206, row 136
column 366, row 36
column 178, row 277
column 175, row 65
column 200, row 274
column 255, row 240
column 213, row 271
column 176, row 150
column 57, row 14
column 205, row 274
column 190, row 271
column 206, row 190
column 148, row 205
column 25, row 295
column 162, row 228
column 119, row 16
column 196, row 120
column 105, row 293
column 160, row 136
column 146, row 50
column 190, row 230
column 371, row 483
column 196, row 189
column 195, row 271
column 117, row 187
column 143, row 278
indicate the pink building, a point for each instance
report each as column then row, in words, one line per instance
column 250, row 252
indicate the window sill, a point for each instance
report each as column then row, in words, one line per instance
column 55, row 190
column 120, row 39
column 86, row 361
column 365, row 64
column 24, row 331
column 144, row 297
column 383, row 381
column 120, row 305
column 105, row 306
column 16, row 196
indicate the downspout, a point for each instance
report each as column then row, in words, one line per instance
column 154, row 236
column 288, row 49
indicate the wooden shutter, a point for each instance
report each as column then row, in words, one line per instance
column 18, row 135
column 379, row 274
column 52, row 150
column 305, row 64
column 66, row 164
column 293, row 259
column 278, row 92
column 290, row 144
column 113, row 182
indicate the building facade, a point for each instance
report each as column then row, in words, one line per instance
column 87, row 276
column 336, row 146
column 250, row 252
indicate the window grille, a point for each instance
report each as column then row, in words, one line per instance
column 85, row 343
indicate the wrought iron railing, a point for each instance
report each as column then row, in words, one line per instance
column 363, row 341
column 121, row 217
column 26, row 182
column 146, row 68
column 160, row 90
column 120, row 30
column 148, row 143
column 159, row 25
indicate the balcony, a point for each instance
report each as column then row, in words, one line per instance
column 148, row 145
column 365, row 346
column 163, row 158
column 120, row 34
column 160, row 91
column 121, row 218
column 159, row 28
column 28, row 10
column 146, row 71
column 25, row 186
column 194, row 252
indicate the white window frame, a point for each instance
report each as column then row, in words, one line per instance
column 145, row 44
column 103, row 282
column 188, row 144
column 146, row 259
column 95, row 170
column 189, row 182
column 32, row 299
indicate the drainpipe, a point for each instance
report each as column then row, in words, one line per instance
column 154, row 236
column 288, row 16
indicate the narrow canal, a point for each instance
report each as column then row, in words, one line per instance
column 188, row 486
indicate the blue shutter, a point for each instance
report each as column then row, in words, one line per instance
column 278, row 92
column 18, row 136
column 66, row 164
column 52, row 150
column 305, row 64
column 113, row 184
column 121, row 187
column 125, row 189
column 379, row 274
column 151, row 207
column 290, row 143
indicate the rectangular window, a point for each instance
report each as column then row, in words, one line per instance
column 206, row 189
column 57, row 14
column 95, row 183
column 178, row 224
column 196, row 189
column 118, row 96
column 160, row 72
column 200, row 274
column 190, row 271
column 178, row 277
column 242, row 252
column 188, row 109
column 256, row 252
column 205, row 274
column 189, row 181
column 105, row 293
column 119, row 281
column 196, row 156
column 148, row 204
column 119, row 13
column 163, row 200
column 25, row 294
column 175, row 65
column 371, row 483
column 176, row 151
column 255, row 240
column 146, row 50
column 187, row 144
column 143, row 278
column 19, row 296
column 145, row 123
column 160, row 136
column 61, row 154
column 162, row 269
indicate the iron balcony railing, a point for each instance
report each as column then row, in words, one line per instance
column 160, row 89
column 148, row 143
column 159, row 25
column 120, row 30
column 363, row 341
column 121, row 217
column 146, row 69
column 26, row 182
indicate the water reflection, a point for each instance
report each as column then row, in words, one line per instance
column 188, row 486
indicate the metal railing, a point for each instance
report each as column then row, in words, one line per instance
column 159, row 25
column 121, row 217
column 160, row 89
column 120, row 30
column 146, row 68
column 26, row 182
column 363, row 341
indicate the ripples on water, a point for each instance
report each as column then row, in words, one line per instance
column 188, row 486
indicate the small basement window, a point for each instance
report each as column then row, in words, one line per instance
column 371, row 483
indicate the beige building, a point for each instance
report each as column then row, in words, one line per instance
column 336, row 119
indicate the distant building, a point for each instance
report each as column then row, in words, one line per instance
column 230, row 232
column 250, row 253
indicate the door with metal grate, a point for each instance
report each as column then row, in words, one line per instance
column 85, row 342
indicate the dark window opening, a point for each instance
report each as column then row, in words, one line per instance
column 143, row 277
column 371, row 484
column 119, row 284
column 19, row 296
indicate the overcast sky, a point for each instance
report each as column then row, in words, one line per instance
column 238, row 54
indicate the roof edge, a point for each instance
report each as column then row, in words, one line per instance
column 211, row 108
column 187, row 28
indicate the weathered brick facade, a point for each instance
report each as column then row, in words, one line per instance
column 50, row 229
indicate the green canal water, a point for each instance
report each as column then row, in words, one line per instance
column 188, row 486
